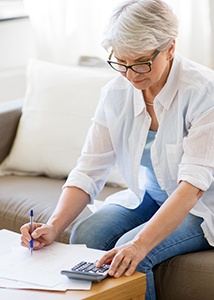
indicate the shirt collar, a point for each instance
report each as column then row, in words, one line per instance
column 168, row 92
column 139, row 104
column 166, row 95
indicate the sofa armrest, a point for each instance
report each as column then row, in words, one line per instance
column 10, row 113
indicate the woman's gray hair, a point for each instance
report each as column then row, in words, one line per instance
column 140, row 25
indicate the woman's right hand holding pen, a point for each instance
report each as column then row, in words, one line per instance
column 43, row 235
column 72, row 201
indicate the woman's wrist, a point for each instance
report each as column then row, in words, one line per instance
column 54, row 224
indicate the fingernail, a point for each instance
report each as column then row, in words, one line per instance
column 34, row 235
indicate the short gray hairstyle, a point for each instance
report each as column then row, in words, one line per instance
column 136, row 26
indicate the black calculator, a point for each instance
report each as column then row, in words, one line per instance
column 87, row 271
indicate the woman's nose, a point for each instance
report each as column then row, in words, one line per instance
column 130, row 74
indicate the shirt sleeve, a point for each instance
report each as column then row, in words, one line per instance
column 197, row 165
column 95, row 162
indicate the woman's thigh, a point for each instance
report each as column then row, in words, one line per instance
column 102, row 229
column 188, row 237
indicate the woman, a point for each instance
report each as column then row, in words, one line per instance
column 156, row 120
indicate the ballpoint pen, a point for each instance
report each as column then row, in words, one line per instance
column 31, row 230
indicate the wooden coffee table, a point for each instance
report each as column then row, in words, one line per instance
column 123, row 288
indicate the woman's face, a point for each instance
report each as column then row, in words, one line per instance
column 160, row 68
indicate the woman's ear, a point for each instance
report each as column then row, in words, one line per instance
column 171, row 51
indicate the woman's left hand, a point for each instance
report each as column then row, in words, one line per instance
column 123, row 259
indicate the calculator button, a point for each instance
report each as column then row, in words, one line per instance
column 90, row 267
column 78, row 265
column 95, row 269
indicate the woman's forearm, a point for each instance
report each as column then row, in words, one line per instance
column 169, row 216
column 72, row 201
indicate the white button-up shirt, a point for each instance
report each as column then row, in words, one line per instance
column 183, row 148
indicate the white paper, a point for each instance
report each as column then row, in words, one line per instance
column 65, row 285
column 20, row 269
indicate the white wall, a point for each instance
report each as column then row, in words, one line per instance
column 17, row 46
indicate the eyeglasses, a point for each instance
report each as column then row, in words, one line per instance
column 142, row 68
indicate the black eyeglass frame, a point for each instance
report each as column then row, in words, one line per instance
column 148, row 63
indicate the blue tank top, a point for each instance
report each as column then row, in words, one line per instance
column 150, row 183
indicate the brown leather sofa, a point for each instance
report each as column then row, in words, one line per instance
column 184, row 277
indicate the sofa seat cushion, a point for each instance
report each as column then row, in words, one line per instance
column 188, row 277
column 19, row 194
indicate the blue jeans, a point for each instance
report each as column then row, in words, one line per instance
column 113, row 225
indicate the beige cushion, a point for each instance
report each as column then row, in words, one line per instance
column 189, row 277
column 19, row 194
column 59, row 104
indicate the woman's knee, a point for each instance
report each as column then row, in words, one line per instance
column 83, row 233
column 95, row 232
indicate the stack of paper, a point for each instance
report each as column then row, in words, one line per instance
column 20, row 269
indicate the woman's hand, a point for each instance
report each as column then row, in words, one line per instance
column 42, row 234
column 123, row 259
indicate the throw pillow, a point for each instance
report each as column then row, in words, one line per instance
column 57, row 110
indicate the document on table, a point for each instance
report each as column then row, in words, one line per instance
column 20, row 269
